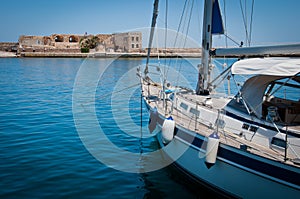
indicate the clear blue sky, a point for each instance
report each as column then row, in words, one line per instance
column 274, row 21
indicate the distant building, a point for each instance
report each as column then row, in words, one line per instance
column 118, row 42
column 128, row 42
column 52, row 43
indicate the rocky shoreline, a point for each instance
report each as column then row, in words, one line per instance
column 8, row 54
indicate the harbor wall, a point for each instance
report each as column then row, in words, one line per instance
column 95, row 54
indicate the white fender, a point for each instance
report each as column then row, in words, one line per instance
column 167, row 130
column 212, row 149
column 153, row 119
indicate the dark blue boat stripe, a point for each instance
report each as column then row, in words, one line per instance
column 260, row 125
column 245, row 161
column 248, row 162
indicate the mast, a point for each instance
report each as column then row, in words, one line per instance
column 212, row 24
column 155, row 13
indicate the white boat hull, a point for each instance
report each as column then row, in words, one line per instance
column 227, row 177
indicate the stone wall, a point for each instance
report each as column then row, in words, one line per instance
column 71, row 43
column 8, row 46
column 61, row 42
column 174, row 50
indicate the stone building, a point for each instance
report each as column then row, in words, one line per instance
column 52, row 43
column 128, row 42
column 70, row 43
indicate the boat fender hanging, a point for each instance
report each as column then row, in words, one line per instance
column 212, row 149
column 153, row 119
column 167, row 130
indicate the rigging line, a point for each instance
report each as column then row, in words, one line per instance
column 241, row 96
column 141, row 121
column 289, row 145
column 231, row 39
column 164, row 65
column 186, row 35
column 184, row 16
column 166, row 36
column 157, row 47
column 224, row 73
column 185, row 39
column 251, row 21
column 189, row 20
column 283, row 84
column 180, row 21
column 244, row 19
column 179, row 27
column 270, row 94
column 225, row 61
column 225, row 22
column 166, row 24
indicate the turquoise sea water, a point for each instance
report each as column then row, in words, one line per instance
column 41, row 152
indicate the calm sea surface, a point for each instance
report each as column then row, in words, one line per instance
column 41, row 152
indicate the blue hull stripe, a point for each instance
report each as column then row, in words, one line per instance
column 248, row 162
column 245, row 161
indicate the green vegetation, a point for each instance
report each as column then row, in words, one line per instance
column 85, row 50
column 89, row 43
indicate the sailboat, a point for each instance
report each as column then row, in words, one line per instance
column 245, row 145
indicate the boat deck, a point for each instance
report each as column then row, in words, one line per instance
column 152, row 92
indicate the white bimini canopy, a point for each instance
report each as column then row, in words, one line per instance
column 267, row 66
column 264, row 71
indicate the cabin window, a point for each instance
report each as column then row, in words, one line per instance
column 278, row 142
column 245, row 126
column 194, row 111
column 184, row 106
column 253, row 128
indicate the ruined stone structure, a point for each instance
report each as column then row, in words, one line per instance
column 100, row 45
column 8, row 46
column 70, row 43
column 52, row 43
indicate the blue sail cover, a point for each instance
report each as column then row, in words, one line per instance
column 217, row 23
